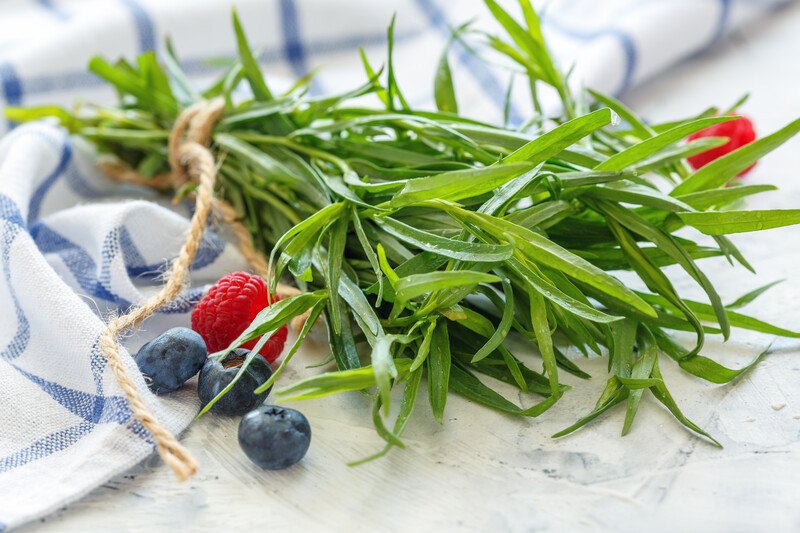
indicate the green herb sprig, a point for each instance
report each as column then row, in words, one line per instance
column 424, row 238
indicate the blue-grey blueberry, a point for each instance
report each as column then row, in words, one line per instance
column 216, row 375
column 170, row 359
column 274, row 437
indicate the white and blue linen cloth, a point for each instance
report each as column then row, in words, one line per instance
column 75, row 247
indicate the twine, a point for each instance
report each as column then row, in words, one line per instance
column 200, row 120
column 190, row 160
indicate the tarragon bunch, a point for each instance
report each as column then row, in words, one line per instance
column 426, row 238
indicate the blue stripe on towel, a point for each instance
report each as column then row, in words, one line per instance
column 67, row 81
column 211, row 247
column 78, row 261
column 292, row 45
column 57, row 11
column 11, row 85
column 94, row 408
column 145, row 28
column 96, row 281
column 37, row 198
column 52, row 443
column 722, row 21
column 9, row 212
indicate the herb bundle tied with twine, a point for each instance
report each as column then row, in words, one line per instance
column 423, row 238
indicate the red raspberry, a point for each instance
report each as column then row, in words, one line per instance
column 229, row 307
column 740, row 132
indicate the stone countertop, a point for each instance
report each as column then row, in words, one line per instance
column 485, row 471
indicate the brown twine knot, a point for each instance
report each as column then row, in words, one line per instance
column 197, row 123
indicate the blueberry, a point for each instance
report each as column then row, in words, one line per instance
column 216, row 375
column 274, row 437
column 170, row 359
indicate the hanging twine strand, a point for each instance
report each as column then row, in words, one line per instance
column 190, row 159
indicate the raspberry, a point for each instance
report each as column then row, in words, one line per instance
column 740, row 132
column 229, row 307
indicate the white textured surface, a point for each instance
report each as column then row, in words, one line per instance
column 484, row 471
